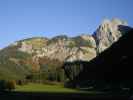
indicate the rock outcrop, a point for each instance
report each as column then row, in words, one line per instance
column 30, row 55
column 108, row 33
column 62, row 48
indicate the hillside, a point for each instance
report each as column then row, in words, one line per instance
column 41, row 54
column 112, row 67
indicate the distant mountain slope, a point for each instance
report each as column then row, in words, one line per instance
column 30, row 55
column 23, row 57
column 11, row 63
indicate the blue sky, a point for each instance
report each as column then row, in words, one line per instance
column 21, row 19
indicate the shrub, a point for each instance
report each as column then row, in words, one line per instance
column 2, row 85
column 10, row 85
column 21, row 82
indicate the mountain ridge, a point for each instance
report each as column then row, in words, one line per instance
column 33, row 53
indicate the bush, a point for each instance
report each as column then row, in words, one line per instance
column 22, row 82
column 19, row 82
column 2, row 85
column 7, row 85
column 10, row 85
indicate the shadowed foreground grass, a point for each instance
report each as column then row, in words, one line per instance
column 52, row 92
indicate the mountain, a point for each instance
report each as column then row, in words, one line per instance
column 61, row 47
column 109, row 32
column 30, row 55
column 113, row 66
column 39, row 53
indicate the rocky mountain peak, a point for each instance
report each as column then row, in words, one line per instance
column 82, row 47
column 117, row 21
column 108, row 32
column 30, row 54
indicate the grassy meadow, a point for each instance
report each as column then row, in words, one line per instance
column 36, row 87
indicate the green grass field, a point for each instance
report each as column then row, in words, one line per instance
column 32, row 87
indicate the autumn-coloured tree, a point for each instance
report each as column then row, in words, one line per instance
column 10, row 85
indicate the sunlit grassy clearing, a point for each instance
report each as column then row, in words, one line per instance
column 32, row 87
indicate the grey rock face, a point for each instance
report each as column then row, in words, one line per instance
column 83, row 47
column 108, row 33
column 62, row 48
